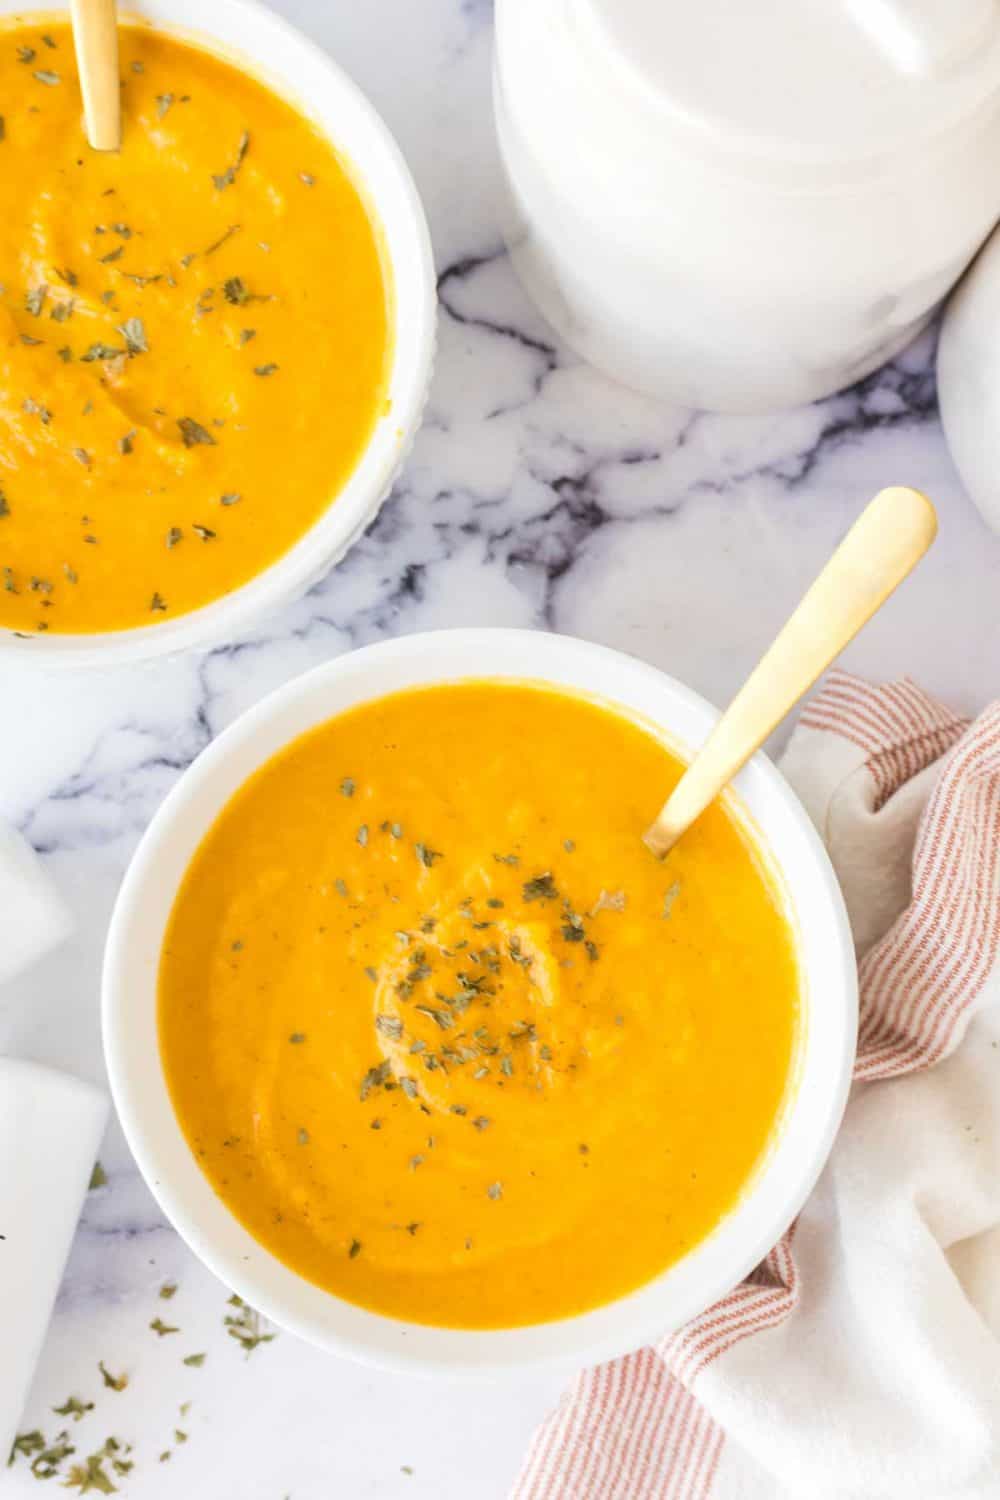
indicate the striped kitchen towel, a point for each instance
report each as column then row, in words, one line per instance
column 861, row 1361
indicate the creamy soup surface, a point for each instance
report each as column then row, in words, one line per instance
column 441, row 1032
column 194, row 334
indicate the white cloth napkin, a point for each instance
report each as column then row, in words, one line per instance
column 50, row 1128
column 33, row 915
column 862, row 1360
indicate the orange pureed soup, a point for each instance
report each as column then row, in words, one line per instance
column 194, row 333
column 442, row 1033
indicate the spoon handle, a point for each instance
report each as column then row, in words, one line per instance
column 888, row 539
column 95, row 34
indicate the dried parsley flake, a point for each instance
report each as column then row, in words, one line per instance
column 194, row 433
column 228, row 177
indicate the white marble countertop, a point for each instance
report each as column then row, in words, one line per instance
column 537, row 495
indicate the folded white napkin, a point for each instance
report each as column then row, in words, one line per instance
column 33, row 915
column 50, row 1129
column 862, row 1360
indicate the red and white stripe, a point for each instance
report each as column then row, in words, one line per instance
column 633, row 1429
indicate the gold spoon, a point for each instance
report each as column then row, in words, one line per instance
column 95, row 34
column 886, row 541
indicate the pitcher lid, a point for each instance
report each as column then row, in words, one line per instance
column 807, row 80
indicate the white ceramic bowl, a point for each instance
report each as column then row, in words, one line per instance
column 804, row 1134
column 253, row 37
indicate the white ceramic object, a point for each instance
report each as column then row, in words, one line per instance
column 741, row 206
column 968, row 378
column 801, row 1143
column 50, row 1128
column 34, row 918
column 253, row 37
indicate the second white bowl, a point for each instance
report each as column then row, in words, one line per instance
column 803, row 1136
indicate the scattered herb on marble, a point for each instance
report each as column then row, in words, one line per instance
column 91, row 1475
column 244, row 1326
column 194, row 1361
column 168, row 1290
column 161, row 1329
column 25, row 1444
column 74, row 1407
column 98, row 1177
column 113, row 1382
column 44, row 1457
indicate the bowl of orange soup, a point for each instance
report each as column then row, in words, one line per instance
column 424, row 1053
column 215, row 344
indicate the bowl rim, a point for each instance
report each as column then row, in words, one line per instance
column 248, row 34
column 803, row 1139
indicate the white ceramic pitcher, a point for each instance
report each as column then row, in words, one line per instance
column 744, row 206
